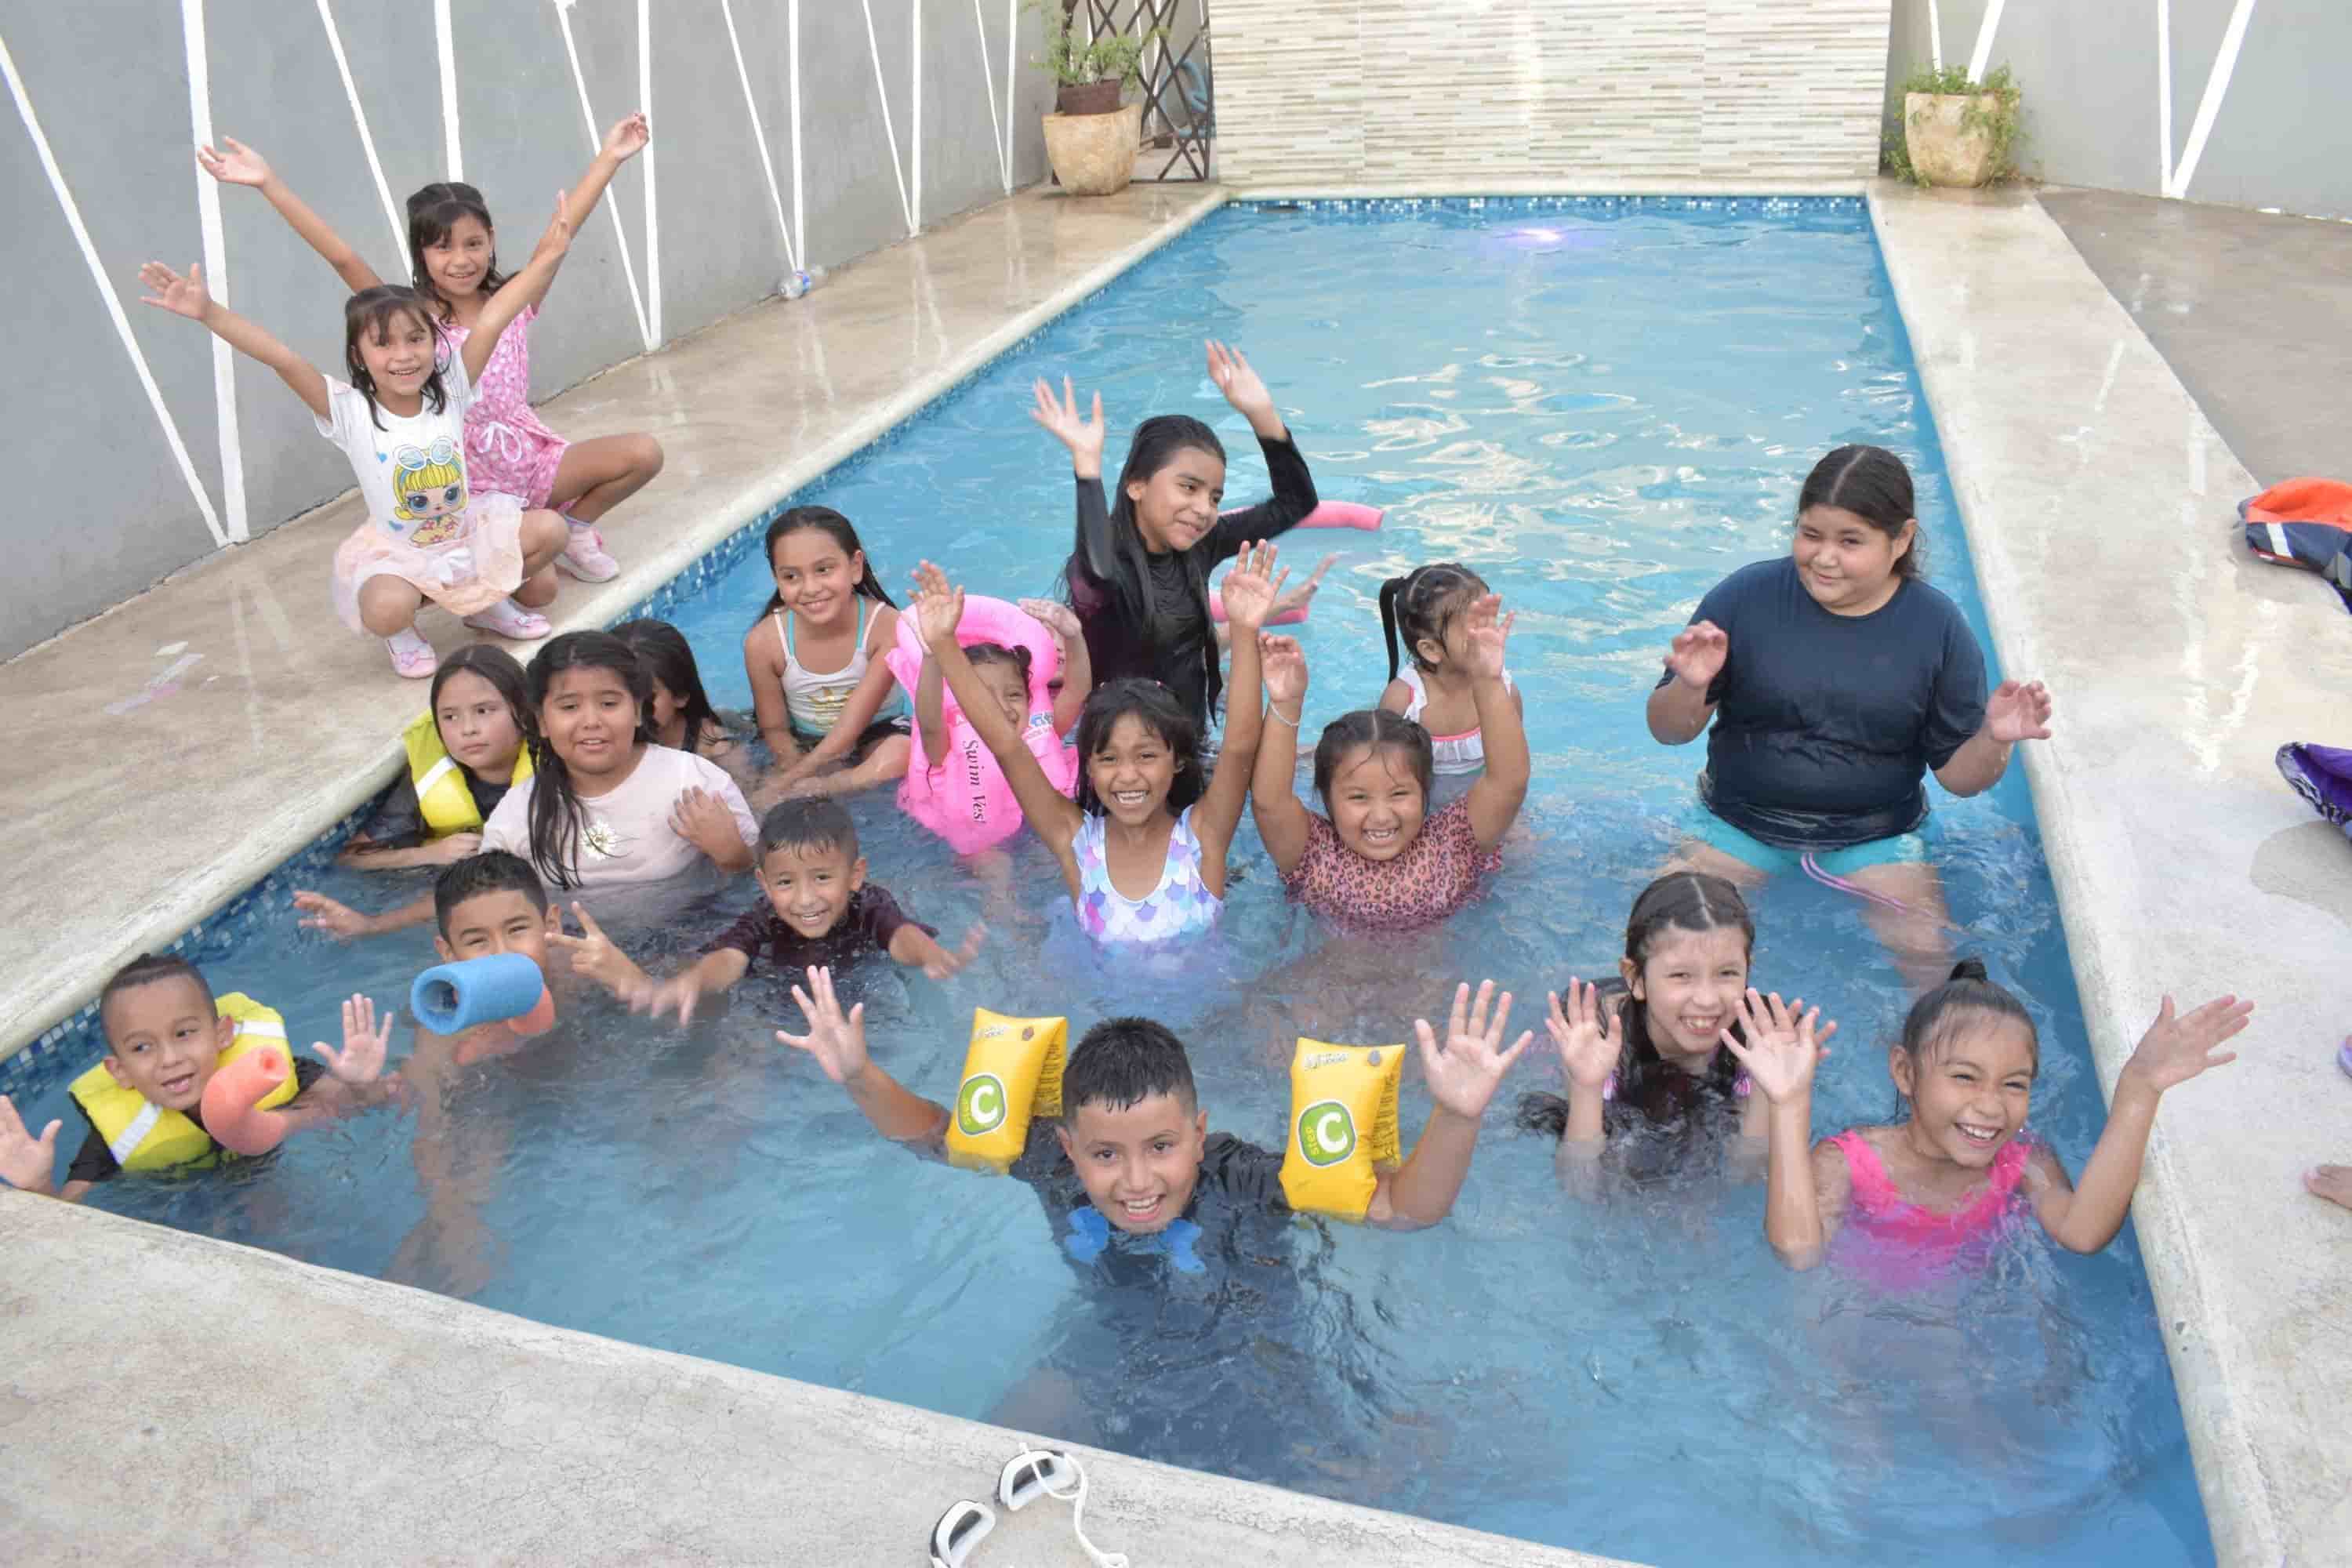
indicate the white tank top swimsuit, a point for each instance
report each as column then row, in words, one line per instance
column 814, row 701
column 1180, row 905
column 1463, row 753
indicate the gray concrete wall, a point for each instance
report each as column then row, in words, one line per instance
column 104, row 510
column 2095, row 92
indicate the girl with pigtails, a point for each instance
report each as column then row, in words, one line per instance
column 1427, row 611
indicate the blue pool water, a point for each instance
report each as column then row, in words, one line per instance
column 1603, row 405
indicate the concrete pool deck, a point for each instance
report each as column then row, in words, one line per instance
column 2098, row 500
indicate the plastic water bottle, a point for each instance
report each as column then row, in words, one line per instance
column 796, row 284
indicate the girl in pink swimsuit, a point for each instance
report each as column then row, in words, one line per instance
column 1914, row 1200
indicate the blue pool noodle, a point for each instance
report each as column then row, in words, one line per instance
column 453, row 997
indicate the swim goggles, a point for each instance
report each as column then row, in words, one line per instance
column 1029, row 1474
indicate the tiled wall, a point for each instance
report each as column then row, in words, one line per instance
column 1505, row 93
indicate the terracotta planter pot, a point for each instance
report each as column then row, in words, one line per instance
column 1093, row 154
column 1945, row 151
column 1092, row 97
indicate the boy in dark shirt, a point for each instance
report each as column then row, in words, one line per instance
column 820, row 912
column 166, row 1037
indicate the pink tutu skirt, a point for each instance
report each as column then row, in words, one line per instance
column 464, row 575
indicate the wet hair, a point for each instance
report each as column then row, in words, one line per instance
column 1969, row 996
column 1378, row 730
column 369, row 314
column 987, row 653
column 491, row 871
column 497, row 666
column 1646, row 1085
column 667, row 657
column 1156, row 444
column 1871, row 483
column 1423, row 603
column 841, row 532
column 1122, row 1062
column 1157, row 709
column 433, row 212
column 556, row 813
column 147, row 969
column 807, row 823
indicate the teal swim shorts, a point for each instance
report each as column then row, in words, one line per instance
column 1717, row 833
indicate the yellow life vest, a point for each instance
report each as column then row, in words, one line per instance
column 142, row 1135
column 1012, row 1074
column 443, row 799
column 1343, row 1126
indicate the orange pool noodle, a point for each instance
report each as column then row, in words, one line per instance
column 232, row 1113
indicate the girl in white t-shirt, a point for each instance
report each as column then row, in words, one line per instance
column 401, row 421
column 603, row 804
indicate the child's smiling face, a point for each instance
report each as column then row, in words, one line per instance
column 810, row 885
column 1376, row 802
column 1138, row 1163
column 1968, row 1091
column 166, row 1037
column 1132, row 771
column 400, row 355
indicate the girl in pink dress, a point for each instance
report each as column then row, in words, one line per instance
column 453, row 263
column 1906, row 1203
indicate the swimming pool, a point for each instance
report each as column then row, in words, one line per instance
column 1562, row 394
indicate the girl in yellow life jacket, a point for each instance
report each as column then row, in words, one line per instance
column 464, row 752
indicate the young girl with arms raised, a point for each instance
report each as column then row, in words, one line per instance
column 1426, row 610
column 1143, row 849
column 453, row 264
column 1138, row 578
column 819, row 686
column 1905, row 1201
column 401, row 421
column 469, row 746
column 1381, row 859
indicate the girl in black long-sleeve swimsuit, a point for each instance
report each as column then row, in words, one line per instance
column 1138, row 578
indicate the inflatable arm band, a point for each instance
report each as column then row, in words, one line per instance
column 233, row 1102
column 1012, row 1074
column 966, row 799
column 504, row 988
column 1343, row 1126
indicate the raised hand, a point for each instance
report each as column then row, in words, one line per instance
column 1462, row 1078
column 1590, row 1036
column 1285, row 667
column 1485, row 636
column 938, row 606
column 26, row 1163
column 1296, row 600
column 170, row 291
column 2176, row 1049
column 945, row 964
column 835, row 1040
column 361, row 1061
column 627, row 138
column 1238, row 381
column 339, row 921
column 1250, row 587
column 1083, row 437
column 1697, row 654
column 703, row 820
column 593, row 955
column 1783, row 1048
column 2017, row 710
column 1055, row 615
column 240, row 165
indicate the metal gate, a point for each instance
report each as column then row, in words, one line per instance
column 1179, row 106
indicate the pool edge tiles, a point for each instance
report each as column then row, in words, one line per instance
column 492, row 1438
column 50, row 969
column 2098, row 500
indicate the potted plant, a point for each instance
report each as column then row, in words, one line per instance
column 1091, row 139
column 1955, row 132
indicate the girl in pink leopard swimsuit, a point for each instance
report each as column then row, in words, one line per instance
column 1906, row 1202
column 453, row 260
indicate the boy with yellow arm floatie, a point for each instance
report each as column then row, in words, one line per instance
column 1130, row 1130
column 167, row 1038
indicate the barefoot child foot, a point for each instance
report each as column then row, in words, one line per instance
column 2333, row 1183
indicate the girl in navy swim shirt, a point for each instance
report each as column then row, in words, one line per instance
column 1835, row 679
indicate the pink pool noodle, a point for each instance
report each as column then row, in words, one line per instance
column 1342, row 514
column 231, row 1100
column 1290, row 618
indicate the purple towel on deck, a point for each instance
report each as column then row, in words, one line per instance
column 2322, row 775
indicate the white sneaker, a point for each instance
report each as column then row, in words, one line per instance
column 584, row 557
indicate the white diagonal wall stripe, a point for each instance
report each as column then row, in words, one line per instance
column 1985, row 31
column 1935, row 36
column 760, row 136
column 882, row 95
column 988, row 86
column 2217, row 88
column 367, row 142
column 1012, row 53
column 652, row 215
column 106, row 292
column 588, row 118
column 800, row 209
column 2164, row 97
column 915, row 115
column 208, row 213
column 445, row 41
